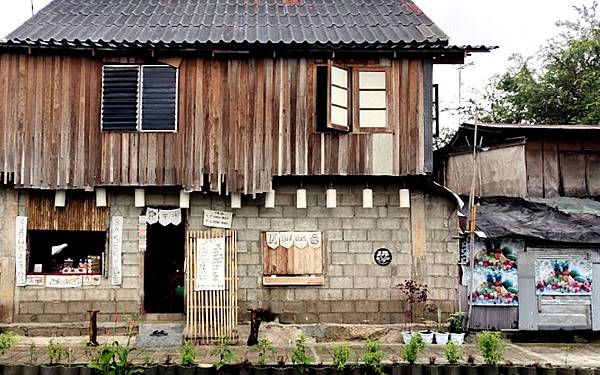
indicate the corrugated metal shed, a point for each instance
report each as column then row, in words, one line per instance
column 315, row 22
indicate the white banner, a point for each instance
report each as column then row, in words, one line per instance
column 300, row 240
column 273, row 240
column 116, row 245
column 64, row 281
column 314, row 240
column 286, row 239
column 210, row 264
column 21, row 251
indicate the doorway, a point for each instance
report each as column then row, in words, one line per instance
column 163, row 268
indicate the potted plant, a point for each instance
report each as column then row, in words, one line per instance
column 491, row 346
column 299, row 356
column 341, row 356
column 69, row 369
column 224, row 355
column 456, row 327
column 167, row 367
column 33, row 367
column 188, row 359
column 373, row 356
column 411, row 351
column 7, row 341
column 414, row 294
column 55, row 352
column 149, row 366
column 114, row 359
column 441, row 336
column 265, row 350
column 454, row 354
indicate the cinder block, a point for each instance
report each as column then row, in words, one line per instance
column 127, row 294
column 335, row 270
column 102, row 294
column 317, row 212
column 78, row 307
column 334, row 235
column 246, row 211
column 316, row 306
column 341, row 211
column 365, row 282
column 341, row 282
column 325, row 223
column 72, row 295
column 388, row 223
column 283, row 224
column 270, row 212
column 306, row 224
column 249, row 258
column 378, row 294
column 355, row 270
column 306, row 318
column 294, row 307
column 31, row 307
column 293, row 212
column 249, row 282
column 308, row 294
column 258, row 223
column 360, row 247
column 355, row 235
column 330, row 294
column 342, row 306
column 331, row 318
column 379, row 235
column 366, row 306
column 249, row 234
column 360, row 213
column 339, row 246
column 354, row 294
column 282, row 199
column 342, row 258
column 355, row 318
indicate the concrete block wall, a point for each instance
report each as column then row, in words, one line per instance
column 356, row 290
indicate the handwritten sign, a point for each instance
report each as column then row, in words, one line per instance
column 210, row 264
column 217, row 219
column 21, row 250
column 273, row 240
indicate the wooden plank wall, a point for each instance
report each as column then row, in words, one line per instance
column 565, row 167
column 241, row 122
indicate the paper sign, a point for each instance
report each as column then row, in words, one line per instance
column 21, row 250
column 217, row 219
column 36, row 280
column 286, row 239
column 63, row 281
column 116, row 238
column 314, row 240
column 273, row 240
column 210, row 264
column 300, row 240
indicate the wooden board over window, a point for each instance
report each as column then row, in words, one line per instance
column 292, row 265
column 79, row 213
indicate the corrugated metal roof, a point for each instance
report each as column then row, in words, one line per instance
column 314, row 22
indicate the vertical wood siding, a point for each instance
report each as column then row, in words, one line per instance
column 240, row 122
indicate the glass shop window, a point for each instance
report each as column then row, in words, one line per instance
column 60, row 252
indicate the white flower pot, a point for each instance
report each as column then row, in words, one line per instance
column 457, row 338
column 406, row 337
column 427, row 337
column 441, row 338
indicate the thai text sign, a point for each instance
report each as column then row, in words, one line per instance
column 210, row 264
column 217, row 219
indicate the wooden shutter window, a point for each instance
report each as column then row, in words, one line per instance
column 339, row 95
column 120, row 97
column 159, row 98
column 372, row 99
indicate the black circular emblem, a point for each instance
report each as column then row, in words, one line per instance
column 383, row 257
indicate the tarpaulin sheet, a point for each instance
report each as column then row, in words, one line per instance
column 517, row 217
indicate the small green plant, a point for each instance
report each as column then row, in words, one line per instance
column 264, row 346
column 114, row 360
column 148, row 360
column 223, row 352
column 7, row 341
column 567, row 350
column 341, row 355
column 299, row 356
column 188, row 356
column 491, row 347
column 89, row 350
column 411, row 351
column 69, row 355
column 33, row 354
column 56, row 351
column 456, row 322
column 453, row 352
column 373, row 356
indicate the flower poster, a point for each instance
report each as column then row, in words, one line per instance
column 495, row 279
column 563, row 277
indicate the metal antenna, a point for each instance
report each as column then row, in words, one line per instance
column 32, row 8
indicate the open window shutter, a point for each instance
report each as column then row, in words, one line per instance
column 159, row 96
column 120, row 97
column 339, row 99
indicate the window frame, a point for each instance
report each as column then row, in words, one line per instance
column 330, row 85
column 140, row 103
column 356, row 70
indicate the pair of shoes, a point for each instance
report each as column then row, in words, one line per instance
column 159, row 333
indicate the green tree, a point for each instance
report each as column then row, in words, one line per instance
column 559, row 85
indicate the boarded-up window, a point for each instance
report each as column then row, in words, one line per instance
column 292, row 258
column 139, row 97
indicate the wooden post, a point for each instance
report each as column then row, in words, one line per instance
column 93, row 327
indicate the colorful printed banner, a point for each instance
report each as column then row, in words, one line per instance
column 495, row 279
column 563, row 277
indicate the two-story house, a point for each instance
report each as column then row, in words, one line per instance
column 300, row 129
column 536, row 250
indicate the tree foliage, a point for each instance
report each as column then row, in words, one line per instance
column 559, row 85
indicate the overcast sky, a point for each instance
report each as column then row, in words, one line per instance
column 517, row 26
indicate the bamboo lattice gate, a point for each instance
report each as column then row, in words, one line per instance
column 212, row 313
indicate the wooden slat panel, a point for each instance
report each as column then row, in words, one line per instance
column 80, row 212
column 240, row 121
column 535, row 172
column 572, row 172
column 550, row 169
